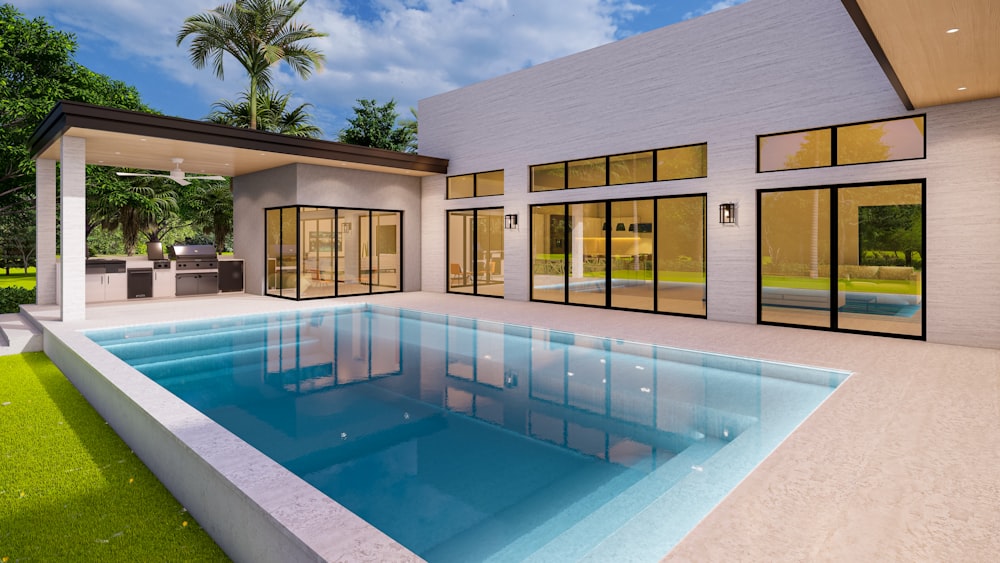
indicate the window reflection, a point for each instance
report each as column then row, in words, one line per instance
column 476, row 252
column 317, row 252
column 643, row 254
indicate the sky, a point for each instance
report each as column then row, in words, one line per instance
column 403, row 50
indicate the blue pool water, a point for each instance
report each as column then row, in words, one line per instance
column 467, row 440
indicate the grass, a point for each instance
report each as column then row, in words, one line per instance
column 900, row 287
column 70, row 488
column 18, row 277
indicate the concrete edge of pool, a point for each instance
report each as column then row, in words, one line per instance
column 252, row 507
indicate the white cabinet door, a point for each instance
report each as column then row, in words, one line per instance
column 95, row 287
column 116, row 288
column 164, row 284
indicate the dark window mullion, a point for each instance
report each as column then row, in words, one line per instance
column 834, row 256
column 607, row 255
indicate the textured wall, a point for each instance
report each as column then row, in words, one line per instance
column 304, row 184
column 762, row 67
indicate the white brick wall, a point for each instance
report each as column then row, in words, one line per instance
column 762, row 67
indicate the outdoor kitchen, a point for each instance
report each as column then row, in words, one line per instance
column 184, row 270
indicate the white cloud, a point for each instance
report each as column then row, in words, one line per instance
column 401, row 49
column 714, row 7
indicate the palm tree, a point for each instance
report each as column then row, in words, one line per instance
column 258, row 34
column 212, row 207
column 272, row 115
column 134, row 205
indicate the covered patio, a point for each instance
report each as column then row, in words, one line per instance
column 76, row 134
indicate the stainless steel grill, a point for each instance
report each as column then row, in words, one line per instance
column 197, row 269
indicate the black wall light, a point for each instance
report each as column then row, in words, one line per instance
column 727, row 213
column 510, row 221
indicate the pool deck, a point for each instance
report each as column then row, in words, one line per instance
column 901, row 463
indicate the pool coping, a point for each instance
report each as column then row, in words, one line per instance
column 230, row 487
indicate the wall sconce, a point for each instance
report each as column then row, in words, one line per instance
column 727, row 213
column 510, row 221
column 346, row 227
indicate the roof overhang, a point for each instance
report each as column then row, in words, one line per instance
column 925, row 64
column 129, row 139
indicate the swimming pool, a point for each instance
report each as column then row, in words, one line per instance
column 468, row 440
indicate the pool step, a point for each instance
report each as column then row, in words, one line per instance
column 221, row 359
column 18, row 335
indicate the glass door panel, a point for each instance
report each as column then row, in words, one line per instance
column 354, row 254
column 317, row 239
column 880, row 259
column 489, row 259
column 385, row 256
column 461, row 251
column 587, row 273
column 631, row 260
column 548, row 253
column 273, row 252
column 795, row 257
column 680, row 262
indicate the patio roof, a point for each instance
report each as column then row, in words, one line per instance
column 934, row 52
column 131, row 139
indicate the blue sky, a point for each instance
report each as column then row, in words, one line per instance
column 399, row 49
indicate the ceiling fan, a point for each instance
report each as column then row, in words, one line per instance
column 176, row 174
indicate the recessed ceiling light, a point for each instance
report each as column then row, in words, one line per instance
column 962, row 88
column 952, row 30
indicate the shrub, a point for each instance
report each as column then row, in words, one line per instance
column 11, row 298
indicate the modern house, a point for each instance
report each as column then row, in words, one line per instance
column 817, row 166
column 793, row 163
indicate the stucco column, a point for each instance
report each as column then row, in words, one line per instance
column 45, row 231
column 74, row 228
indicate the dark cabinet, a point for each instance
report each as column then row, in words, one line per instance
column 197, row 283
column 231, row 275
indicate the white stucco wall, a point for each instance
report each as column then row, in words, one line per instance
column 304, row 184
column 766, row 66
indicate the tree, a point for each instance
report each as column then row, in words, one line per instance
column 272, row 115
column 210, row 205
column 36, row 71
column 135, row 205
column 375, row 126
column 259, row 34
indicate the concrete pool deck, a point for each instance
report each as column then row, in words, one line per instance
column 899, row 464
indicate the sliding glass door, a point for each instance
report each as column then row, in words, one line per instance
column 476, row 252
column 317, row 252
column 641, row 254
column 870, row 236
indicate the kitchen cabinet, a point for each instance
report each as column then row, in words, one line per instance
column 164, row 284
column 106, row 287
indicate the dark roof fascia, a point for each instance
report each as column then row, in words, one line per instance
column 67, row 115
column 861, row 22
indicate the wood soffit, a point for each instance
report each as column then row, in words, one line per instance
column 130, row 139
column 925, row 64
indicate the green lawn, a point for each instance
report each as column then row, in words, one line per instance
column 905, row 287
column 70, row 488
column 18, row 278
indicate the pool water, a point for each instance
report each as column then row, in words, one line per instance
column 467, row 440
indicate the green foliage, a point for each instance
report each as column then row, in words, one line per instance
column 12, row 297
column 375, row 126
column 72, row 490
column 210, row 207
column 37, row 70
column 259, row 34
column 272, row 115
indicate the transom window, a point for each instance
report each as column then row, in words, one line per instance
column 475, row 185
column 659, row 165
column 840, row 145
